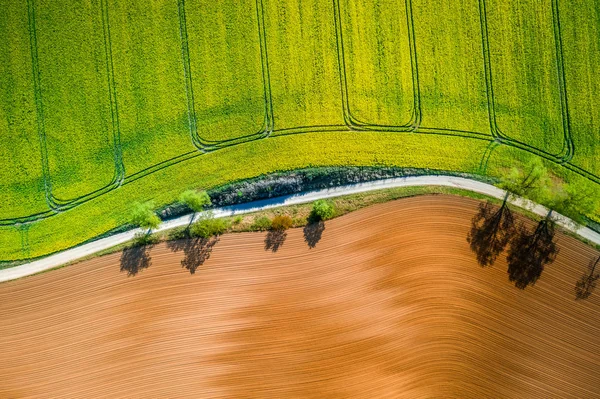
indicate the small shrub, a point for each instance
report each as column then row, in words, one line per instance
column 261, row 224
column 281, row 222
column 237, row 219
column 207, row 227
column 322, row 210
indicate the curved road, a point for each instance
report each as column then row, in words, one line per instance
column 81, row 251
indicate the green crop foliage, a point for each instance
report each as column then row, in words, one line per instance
column 224, row 51
column 74, row 96
column 580, row 22
column 450, row 65
column 525, row 57
column 21, row 178
column 303, row 63
column 108, row 103
column 377, row 65
column 150, row 81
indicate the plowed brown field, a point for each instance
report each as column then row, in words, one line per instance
column 389, row 304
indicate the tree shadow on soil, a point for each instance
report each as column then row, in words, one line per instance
column 274, row 239
column 491, row 230
column 530, row 252
column 196, row 251
column 313, row 232
column 587, row 283
column 135, row 258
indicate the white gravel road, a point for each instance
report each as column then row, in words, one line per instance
column 81, row 251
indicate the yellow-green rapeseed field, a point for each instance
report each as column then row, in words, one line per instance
column 108, row 102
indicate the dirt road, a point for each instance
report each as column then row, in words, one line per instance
column 389, row 303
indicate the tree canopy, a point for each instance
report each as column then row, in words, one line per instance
column 143, row 215
column 531, row 181
column 195, row 200
column 323, row 210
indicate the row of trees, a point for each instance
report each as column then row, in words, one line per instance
column 205, row 231
column 494, row 228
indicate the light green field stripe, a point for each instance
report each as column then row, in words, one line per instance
column 377, row 61
column 525, row 72
column 451, row 65
column 580, row 24
column 226, row 71
column 21, row 178
column 150, row 80
column 240, row 162
column 305, row 81
column 75, row 96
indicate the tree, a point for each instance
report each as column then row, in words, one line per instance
column 576, row 201
column 491, row 231
column 586, row 284
column 322, row 210
column 196, row 251
column 276, row 235
column 196, row 201
column 529, row 182
column 143, row 216
column 530, row 252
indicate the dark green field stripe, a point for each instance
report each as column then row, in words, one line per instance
column 187, row 70
column 38, row 104
column 262, row 33
column 114, row 108
column 568, row 145
column 487, row 155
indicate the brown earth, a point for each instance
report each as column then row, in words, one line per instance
column 390, row 303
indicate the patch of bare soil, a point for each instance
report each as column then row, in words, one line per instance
column 386, row 302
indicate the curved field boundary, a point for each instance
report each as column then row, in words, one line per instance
column 447, row 181
column 58, row 204
column 353, row 122
column 302, row 130
column 205, row 145
column 568, row 145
